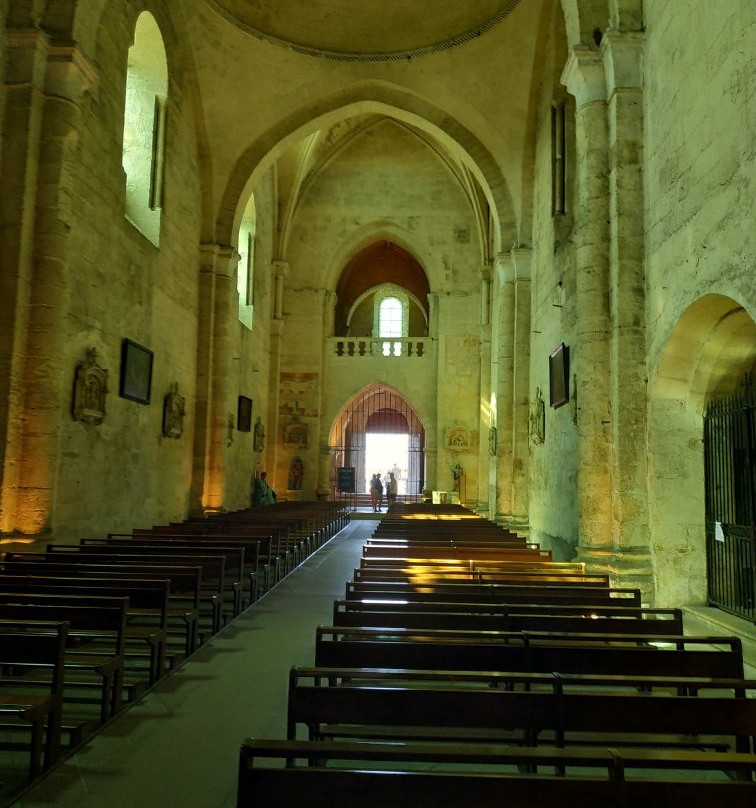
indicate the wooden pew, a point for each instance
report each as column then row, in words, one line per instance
column 257, row 563
column 101, row 626
column 185, row 586
column 234, row 573
column 490, row 778
column 434, row 649
column 576, row 595
column 403, row 709
column 148, row 604
column 41, row 646
column 424, row 575
column 476, row 552
column 205, row 591
column 650, row 622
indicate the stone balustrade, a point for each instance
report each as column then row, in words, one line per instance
column 407, row 347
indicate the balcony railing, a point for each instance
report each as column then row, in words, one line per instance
column 372, row 346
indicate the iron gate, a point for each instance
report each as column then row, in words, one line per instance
column 378, row 409
column 730, row 480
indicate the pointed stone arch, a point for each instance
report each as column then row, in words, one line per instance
column 377, row 408
column 377, row 97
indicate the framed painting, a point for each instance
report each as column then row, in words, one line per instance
column 559, row 376
column 244, row 414
column 136, row 372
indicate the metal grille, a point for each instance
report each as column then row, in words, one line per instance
column 377, row 409
column 730, row 475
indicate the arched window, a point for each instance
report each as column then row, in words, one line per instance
column 391, row 320
column 144, row 127
column 245, row 277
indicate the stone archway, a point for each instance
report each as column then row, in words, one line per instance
column 376, row 408
column 707, row 354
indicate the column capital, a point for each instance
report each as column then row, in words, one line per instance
column 280, row 268
column 622, row 60
column 218, row 258
column 583, row 75
column 69, row 75
column 514, row 265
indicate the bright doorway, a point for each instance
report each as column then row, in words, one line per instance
column 384, row 453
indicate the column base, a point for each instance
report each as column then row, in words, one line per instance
column 628, row 568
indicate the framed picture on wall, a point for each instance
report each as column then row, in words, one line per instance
column 559, row 376
column 136, row 372
column 244, row 414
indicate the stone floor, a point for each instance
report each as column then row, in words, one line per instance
column 178, row 746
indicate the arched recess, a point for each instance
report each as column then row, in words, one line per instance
column 369, row 97
column 710, row 349
column 376, row 408
column 380, row 263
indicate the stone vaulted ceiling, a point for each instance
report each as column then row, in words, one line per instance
column 364, row 29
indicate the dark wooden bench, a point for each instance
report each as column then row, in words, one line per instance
column 234, row 574
column 421, row 575
column 100, row 633
column 575, row 595
column 457, row 551
column 204, row 590
column 651, row 622
column 148, row 608
column 491, row 777
column 42, row 646
column 446, row 712
column 185, row 588
column 715, row 657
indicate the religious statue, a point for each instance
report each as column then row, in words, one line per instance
column 174, row 409
column 258, row 442
column 538, row 418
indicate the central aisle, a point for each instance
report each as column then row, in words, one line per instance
column 178, row 746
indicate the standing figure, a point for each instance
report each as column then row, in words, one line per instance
column 376, row 492
column 391, row 490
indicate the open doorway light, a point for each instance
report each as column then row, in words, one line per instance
column 385, row 452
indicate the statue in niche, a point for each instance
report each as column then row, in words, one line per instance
column 90, row 389
column 258, row 441
column 538, row 419
column 456, row 475
column 296, row 474
column 174, row 409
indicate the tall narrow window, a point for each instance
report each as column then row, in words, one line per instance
column 245, row 278
column 391, row 322
column 144, row 127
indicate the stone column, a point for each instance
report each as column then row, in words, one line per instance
column 486, row 418
column 217, row 316
column 323, row 482
column 584, row 77
column 622, row 53
column 45, row 84
column 520, row 388
column 505, row 315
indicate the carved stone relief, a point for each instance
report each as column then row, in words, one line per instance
column 295, row 433
column 90, row 389
column 458, row 439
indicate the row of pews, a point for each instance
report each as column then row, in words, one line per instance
column 87, row 628
column 464, row 667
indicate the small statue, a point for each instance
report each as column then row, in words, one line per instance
column 258, row 442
